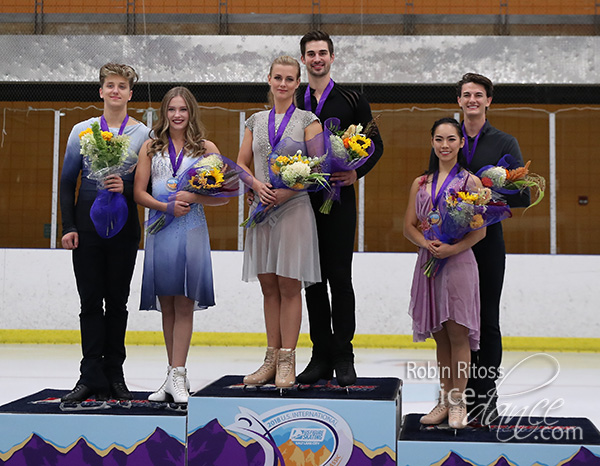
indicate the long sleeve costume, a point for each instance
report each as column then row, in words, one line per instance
column 103, row 267
column 332, row 321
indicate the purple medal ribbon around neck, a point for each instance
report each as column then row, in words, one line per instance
column 469, row 153
column 275, row 136
column 435, row 198
column 308, row 103
column 175, row 159
column 104, row 124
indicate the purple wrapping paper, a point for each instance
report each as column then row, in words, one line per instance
column 230, row 187
column 109, row 213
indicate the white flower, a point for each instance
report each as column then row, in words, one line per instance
column 212, row 160
column 294, row 173
column 496, row 174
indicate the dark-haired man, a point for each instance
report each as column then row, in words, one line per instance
column 486, row 145
column 332, row 321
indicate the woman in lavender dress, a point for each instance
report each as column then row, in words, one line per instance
column 445, row 306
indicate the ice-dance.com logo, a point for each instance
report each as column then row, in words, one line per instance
column 521, row 414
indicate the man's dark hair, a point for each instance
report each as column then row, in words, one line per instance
column 477, row 79
column 314, row 36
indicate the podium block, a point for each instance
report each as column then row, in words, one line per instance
column 323, row 424
column 527, row 441
column 40, row 430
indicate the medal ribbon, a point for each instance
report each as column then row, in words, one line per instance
column 469, row 153
column 308, row 102
column 435, row 198
column 275, row 136
column 104, row 124
column 175, row 159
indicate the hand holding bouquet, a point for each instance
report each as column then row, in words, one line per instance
column 291, row 168
column 212, row 175
column 107, row 154
column 460, row 213
column 349, row 149
column 508, row 178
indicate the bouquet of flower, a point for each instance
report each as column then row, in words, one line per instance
column 212, row 175
column 508, row 178
column 103, row 150
column 107, row 154
column 291, row 168
column 349, row 149
column 460, row 213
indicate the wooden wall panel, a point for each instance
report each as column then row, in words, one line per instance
column 578, row 175
column 26, row 172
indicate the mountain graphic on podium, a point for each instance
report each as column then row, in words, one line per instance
column 212, row 444
column 158, row 448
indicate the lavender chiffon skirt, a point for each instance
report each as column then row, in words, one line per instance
column 452, row 295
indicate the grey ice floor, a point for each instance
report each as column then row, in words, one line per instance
column 550, row 384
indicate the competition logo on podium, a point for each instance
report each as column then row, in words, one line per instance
column 285, row 433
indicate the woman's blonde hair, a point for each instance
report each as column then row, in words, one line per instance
column 194, row 133
column 287, row 61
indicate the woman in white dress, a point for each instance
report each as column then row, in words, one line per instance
column 282, row 251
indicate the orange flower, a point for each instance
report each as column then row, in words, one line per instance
column 518, row 173
column 347, row 143
column 476, row 222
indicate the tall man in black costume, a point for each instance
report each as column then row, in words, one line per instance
column 486, row 145
column 332, row 322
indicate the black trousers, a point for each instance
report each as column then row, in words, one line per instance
column 490, row 254
column 103, row 270
column 332, row 322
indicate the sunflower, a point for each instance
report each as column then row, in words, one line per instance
column 467, row 197
column 212, row 179
column 359, row 144
column 195, row 182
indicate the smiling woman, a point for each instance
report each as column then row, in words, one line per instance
column 177, row 276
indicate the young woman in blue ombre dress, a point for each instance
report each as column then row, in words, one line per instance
column 177, row 276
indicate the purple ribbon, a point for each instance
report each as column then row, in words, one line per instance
column 435, row 198
column 275, row 136
column 469, row 153
column 104, row 124
column 175, row 159
column 308, row 103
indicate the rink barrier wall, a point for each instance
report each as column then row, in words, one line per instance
column 16, row 336
column 548, row 302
